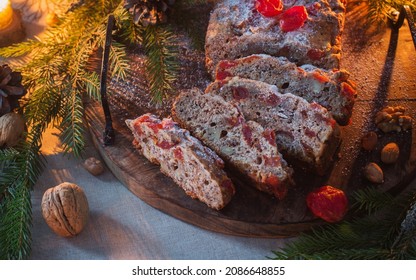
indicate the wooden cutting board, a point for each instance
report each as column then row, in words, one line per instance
column 380, row 61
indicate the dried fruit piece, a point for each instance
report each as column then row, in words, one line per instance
column 269, row 8
column 328, row 203
column 166, row 144
column 374, row 173
column 240, row 93
column 270, row 136
column 390, row 153
column 369, row 141
column 293, row 18
column 248, row 134
column 315, row 54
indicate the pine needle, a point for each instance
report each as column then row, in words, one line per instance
column 379, row 234
column 371, row 200
column 161, row 63
column 381, row 10
column 56, row 74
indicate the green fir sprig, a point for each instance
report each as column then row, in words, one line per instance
column 161, row 63
column 381, row 10
column 384, row 231
column 58, row 71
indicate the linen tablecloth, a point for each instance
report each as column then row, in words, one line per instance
column 121, row 226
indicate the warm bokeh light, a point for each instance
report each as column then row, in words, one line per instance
column 6, row 14
column 4, row 4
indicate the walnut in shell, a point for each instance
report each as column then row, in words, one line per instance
column 65, row 209
column 12, row 126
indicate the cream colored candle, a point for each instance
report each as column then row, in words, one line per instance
column 6, row 14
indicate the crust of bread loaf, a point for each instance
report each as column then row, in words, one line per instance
column 236, row 30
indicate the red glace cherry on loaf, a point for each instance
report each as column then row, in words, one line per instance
column 293, row 18
column 328, row 203
column 269, row 8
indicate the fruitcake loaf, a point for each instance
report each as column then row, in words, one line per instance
column 330, row 88
column 304, row 31
column 305, row 132
column 244, row 145
column 194, row 167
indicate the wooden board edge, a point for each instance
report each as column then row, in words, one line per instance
column 203, row 220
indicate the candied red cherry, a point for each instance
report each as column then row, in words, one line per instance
column 293, row 18
column 269, row 8
column 328, row 203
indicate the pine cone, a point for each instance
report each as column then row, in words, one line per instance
column 149, row 12
column 11, row 89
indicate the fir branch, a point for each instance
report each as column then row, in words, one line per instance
column 92, row 81
column 371, row 200
column 118, row 61
column 406, row 234
column 128, row 30
column 161, row 63
column 20, row 49
column 15, row 223
column 72, row 129
column 56, row 75
column 381, row 10
column 377, row 235
column 21, row 174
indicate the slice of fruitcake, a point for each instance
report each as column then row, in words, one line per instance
column 244, row 145
column 304, row 31
column 305, row 132
column 330, row 88
column 194, row 167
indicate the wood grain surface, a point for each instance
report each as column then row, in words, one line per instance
column 381, row 62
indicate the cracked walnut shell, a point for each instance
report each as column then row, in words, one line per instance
column 65, row 209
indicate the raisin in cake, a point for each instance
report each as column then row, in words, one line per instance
column 194, row 167
column 330, row 88
column 305, row 132
column 237, row 29
column 244, row 145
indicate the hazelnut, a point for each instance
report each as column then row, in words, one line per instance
column 373, row 173
column 65, row 209
column 12, row 127
column 369, row 141
column 390, row 153
column 94, row 166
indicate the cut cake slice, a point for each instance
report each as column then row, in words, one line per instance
column 244, row 145
column 305, row 132
column 192, row 166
